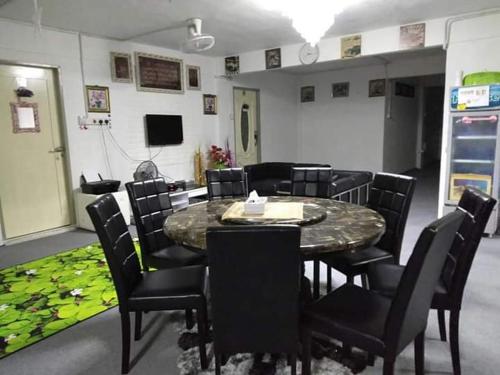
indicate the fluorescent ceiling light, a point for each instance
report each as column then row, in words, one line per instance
column 311, row 18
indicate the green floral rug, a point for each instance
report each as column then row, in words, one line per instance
column 43, row 297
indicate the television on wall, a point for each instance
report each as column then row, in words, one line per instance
column 163, row 130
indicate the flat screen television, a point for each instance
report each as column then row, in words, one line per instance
column 162, row 130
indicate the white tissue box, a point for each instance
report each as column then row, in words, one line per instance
column 255, row 206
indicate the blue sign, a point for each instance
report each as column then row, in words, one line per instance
column 494, row 100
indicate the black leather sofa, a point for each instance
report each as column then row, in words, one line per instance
column 273, row 178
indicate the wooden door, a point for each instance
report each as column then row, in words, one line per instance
column 33, row 181
column 246, row 126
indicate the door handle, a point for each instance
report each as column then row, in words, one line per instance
column 56, row 150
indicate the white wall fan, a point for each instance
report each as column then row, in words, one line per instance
column 195, row 42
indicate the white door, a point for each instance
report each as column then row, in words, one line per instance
column 33, row 181
column 246, row 130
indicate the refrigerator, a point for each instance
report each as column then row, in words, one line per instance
column 473, row 145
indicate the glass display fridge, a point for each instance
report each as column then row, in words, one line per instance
column 474, row 149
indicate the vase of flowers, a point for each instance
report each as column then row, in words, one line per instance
column 219, row 157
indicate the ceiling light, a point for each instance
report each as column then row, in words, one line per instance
column 311, row 18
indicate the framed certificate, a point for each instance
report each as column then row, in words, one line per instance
column 159, row 73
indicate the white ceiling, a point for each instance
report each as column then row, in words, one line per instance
column 238, row 25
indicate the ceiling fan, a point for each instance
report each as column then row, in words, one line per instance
column 196, row 41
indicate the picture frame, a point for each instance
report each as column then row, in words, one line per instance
column 459, row 181
column 193, row 77
column 307, row 94
column 155, row 73
column 403, row 89
column 412, row 36
column 25, row 118
column 350, row 46
column 340, row 90
column 209, row 104
column 232, row 65
column 273, row 58
column 376, row 87
column 97, row 99
column 121, row 67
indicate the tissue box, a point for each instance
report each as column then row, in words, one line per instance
column 255, row 206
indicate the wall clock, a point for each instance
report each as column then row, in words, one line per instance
column 308, row 54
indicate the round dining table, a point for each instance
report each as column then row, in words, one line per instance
column 327, row 225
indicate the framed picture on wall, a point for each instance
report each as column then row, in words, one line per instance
column 25, row 117
column 232, row 65
column 273, row 58
column 350, row 46
column 121, row 67
column 376, row 87
column 340, row 90
column 159, row 73
column 209, row 104
column 412, row 36
column 193, row 75
column 97, row 98
column 307, row 94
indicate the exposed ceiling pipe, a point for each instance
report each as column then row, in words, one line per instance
column 452, row 20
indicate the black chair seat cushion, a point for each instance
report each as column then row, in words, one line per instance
column 174, row 256
column 169, row 289
column 384, row 279
column 356, row 262
column 352, row 315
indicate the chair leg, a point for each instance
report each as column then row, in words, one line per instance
column 316, row 279
column 454, row 341
column 201, row 316
column 420, row 354
column 125, row 317
column 138, row 324
column 218, row 360
column 442, row 325
column 328, row 279
column 364, row 281
column 292, row 362
column 306, row 352
column 388, row 367
column 189, row 319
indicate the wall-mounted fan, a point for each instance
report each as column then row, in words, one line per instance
column 195, row 42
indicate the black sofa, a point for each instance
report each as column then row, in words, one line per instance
column 274, row 178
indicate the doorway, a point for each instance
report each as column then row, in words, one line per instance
column 246, row 126
column 34, row 194
column 432, row 128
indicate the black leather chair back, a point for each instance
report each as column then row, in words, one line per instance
column 117, row 244
column 226, row 183
column 391, row 195
column 254, row 286
column 477, row 207
column 151, row 205
column 312, row 182
column 410, row 307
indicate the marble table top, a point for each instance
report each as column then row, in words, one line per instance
column 345, row 227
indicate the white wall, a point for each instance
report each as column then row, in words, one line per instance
column 278, row 112
column 344, row 132
column 86, row 152
column 473, row 48
column 400, row 130
column 348, row 132
column 129, row 106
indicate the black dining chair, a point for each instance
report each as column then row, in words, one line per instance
column 391, row 196
column 226, row 183
column 255, row 276
column 312, row 182
column 448, row 294
column 151, row 205
column 179, row 288
column 380, row 325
